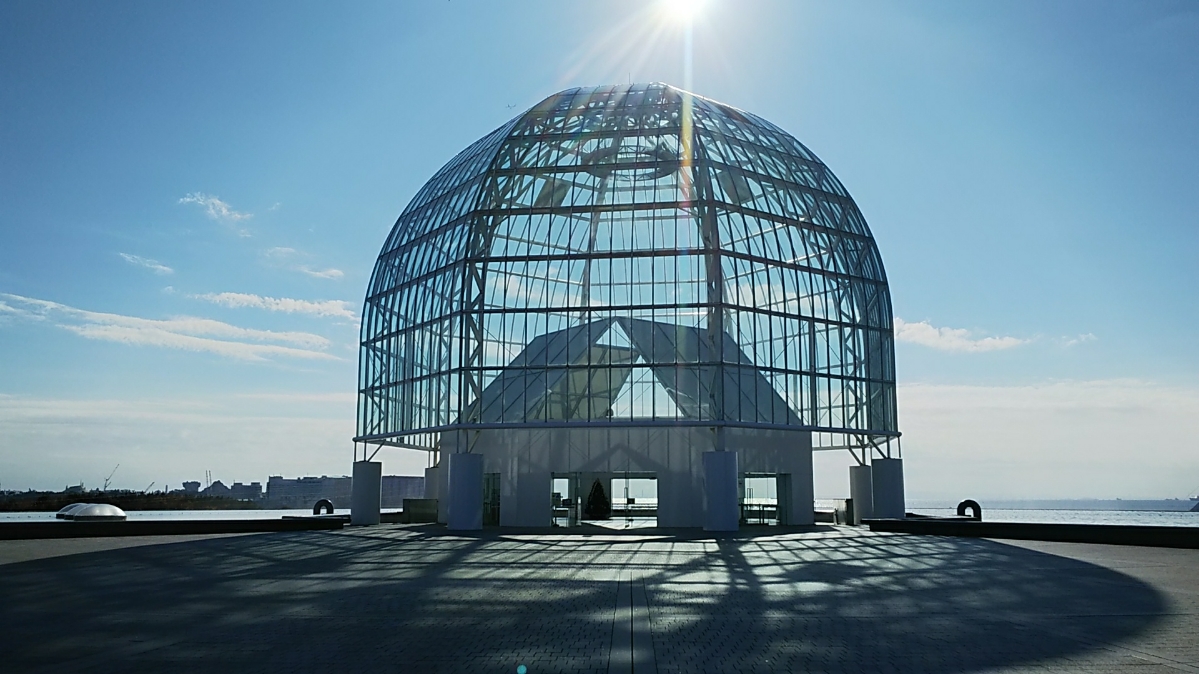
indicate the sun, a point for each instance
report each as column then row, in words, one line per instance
column 681, row 10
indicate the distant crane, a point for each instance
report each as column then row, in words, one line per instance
column 109, row 478
column 147, row 488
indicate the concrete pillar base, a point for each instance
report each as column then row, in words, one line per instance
column 464, row 500
column 887, row 479
column 861, row 490
column 431, row 482
column 722, row 512
column 366, row 492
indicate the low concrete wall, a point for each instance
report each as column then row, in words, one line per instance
column 25, row 530
column 419, row 510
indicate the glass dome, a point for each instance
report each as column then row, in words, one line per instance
column 629, row 255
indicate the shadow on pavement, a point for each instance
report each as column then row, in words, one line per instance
column 396, row 598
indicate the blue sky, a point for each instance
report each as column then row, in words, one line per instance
column 193, row 195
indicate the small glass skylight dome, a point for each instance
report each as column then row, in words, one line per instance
column 617, row 281
column 66, row 511
column 97, row 512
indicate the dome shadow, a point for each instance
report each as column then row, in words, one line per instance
column 422, row 599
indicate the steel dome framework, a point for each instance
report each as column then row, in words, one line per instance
column 630, row 255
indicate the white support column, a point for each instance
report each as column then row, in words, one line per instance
column 888, row 488
column 722, row 512
column 785, row 506
column 525, row 495
column 432, row 482
column 443, row 491
column 536, row 503
column 679, row 500
column 801, row 496
column 464, row 482
column 366, row 492
column 861, row 492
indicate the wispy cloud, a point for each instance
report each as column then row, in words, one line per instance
column 215, row 208
column 218, row 210
column 331, row 308
column 185, row 332
column 1078, row 339
column 323, row 273
column 291, row 397
column 153, row 265
column 951, row 339
column 290, row 258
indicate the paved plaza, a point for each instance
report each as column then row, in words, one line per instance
column 397, row 598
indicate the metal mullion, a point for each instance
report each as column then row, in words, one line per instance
column 587, row 209
column 815, row 167
column 596, row 135
column 636, row 422
column 829, row 273
column 782, row 182
column 566, row 311
column 530, row 242
column 600, row 255
column 464, row 219
column 538, row 277
column 600, row 366
column 778, row 224
column 810, row 225
column 413, row 283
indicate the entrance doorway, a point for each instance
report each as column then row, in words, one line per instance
column 491, row 499
column 635, row 500
column 760, row 498
column 566, row 513
column 631, row 499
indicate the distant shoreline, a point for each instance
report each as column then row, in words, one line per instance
column 129, row 501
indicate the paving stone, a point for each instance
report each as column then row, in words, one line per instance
column 417, row 598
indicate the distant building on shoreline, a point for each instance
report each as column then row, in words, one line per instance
column 303, row 492
column 239, row 491
column 285, row 493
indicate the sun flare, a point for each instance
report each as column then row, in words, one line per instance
column 681, row 10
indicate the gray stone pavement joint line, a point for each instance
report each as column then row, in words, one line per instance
column 632, row 649
column 1108, row 646
column 643, row 638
